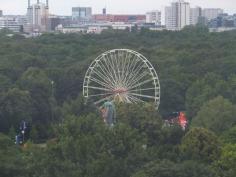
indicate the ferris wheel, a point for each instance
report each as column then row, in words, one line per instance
column 122, row 75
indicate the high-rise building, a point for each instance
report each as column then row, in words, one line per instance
column 211, row 13
column 37, row 16
column 1, row 13
column 153, row 17
column 81, row 14
column 195, row 14
column 177, row 15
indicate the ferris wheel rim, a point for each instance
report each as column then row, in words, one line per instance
column 109, row 83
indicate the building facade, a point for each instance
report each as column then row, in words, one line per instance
column 153, row 17
column 177, row 16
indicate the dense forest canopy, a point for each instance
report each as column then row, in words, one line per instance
column 41, row 82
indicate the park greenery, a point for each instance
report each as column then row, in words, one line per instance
column 41, row 82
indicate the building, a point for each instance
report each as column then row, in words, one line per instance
column 21, row 19
column 10, row 23
column 221, row 29
column 177, row 16
column 1, row 13
column 169, row 18
column 129, row 18
column 83, row 29
column 211, row 13
column 53, row 22
column 81, row 14
column 153, row 17
column 119, row 18
column 195, row 14
column 223, row 21
column 122, row 26
column 37, row 16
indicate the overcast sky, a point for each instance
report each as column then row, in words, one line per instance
column 63, row 7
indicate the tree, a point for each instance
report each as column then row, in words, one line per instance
column 201, row 145
column 204, row 90
column 226, row 163
column 229, row 136
column 16, row 106
column 166, row 168
column 40, row 88
column 87, row 147
column 142, row 117
column 217, row 115
column 5, row 83
column 12, row 162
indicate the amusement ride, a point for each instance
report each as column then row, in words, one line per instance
column 121, row 75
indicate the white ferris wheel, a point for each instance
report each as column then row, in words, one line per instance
column 123, row 75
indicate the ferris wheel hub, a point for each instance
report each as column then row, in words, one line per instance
column 120, row 90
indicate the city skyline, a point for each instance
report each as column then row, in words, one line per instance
column 63, row 7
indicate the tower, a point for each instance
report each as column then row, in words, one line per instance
column 104, row 11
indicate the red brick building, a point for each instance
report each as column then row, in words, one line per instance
column 118, row 18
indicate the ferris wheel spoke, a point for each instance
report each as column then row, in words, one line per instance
column 140, row 84
column 98, row 88
column 137, row 90
column 123, row 64
column 115, row 66
column 131, row 99
column 132, row 73
column 136, row 64
column 119, row 67
column 107, row 72
column 144, row 96
column 103, row 77
column 111, row 67
column 135, row 98
column 102, row 83
column 129, row 70
column 126, row 66
column 110, row 61
column 136, row 79
column 102, row 94
column 115, row 63
column 136, row 71
column 103, row 99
